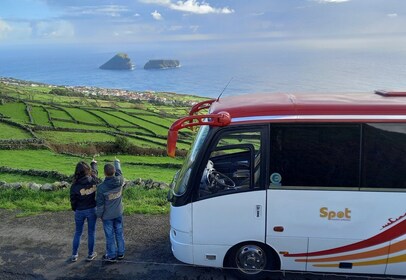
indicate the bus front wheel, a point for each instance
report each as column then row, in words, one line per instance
column 250, row 260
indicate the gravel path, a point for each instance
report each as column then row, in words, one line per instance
column 38, row 247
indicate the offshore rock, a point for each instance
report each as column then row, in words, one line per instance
column 120, row 61
column 161, row 64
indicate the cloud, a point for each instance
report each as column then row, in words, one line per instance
column 60, row 29
column 156, row 15
column 392, row 15
column 102, row 10
column 190, row 6
column 4, row 29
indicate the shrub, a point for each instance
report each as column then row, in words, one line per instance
column 122, row 144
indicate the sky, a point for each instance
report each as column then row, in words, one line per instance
column 231, row 24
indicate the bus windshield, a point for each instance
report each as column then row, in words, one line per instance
column 184, row 174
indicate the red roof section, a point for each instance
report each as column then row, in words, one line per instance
column 282, row 104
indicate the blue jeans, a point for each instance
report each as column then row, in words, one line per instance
column 113, row 229
column 80, row 217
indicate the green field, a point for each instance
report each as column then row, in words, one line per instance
column 11, row 132
column 40, row 116
column 83, row 116
column 55, row 113
column 65, row 164
column 63, row 137
column 15, row 111
column 136, row 200
column 77, row 123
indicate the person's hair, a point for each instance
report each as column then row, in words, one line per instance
column 82, row 169
column 109, row 169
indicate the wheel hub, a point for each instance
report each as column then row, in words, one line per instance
column 251, row 259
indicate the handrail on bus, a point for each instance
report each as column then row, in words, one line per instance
column 219, row 119
column 201, row 106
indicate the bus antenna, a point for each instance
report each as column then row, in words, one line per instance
column 224, row 89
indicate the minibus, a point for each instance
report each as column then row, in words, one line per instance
column 310, row 182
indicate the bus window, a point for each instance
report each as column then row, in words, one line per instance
column 385, row 156
column 234, row 164
column 314, row 156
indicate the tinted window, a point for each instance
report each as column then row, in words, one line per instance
column 385, row 156
column 315, row 155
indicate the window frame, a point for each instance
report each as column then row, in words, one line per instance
column 263, row 129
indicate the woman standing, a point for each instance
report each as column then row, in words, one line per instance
column 82, row 199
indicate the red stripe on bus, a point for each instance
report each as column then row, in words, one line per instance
column 385, row 236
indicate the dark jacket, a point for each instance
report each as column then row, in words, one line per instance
column 109, row 197
column 83, row 191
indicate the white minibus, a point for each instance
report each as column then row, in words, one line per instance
column 306, row 182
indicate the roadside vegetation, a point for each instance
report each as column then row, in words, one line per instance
column 51, row 129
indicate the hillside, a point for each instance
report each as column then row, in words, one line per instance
column 43, row 127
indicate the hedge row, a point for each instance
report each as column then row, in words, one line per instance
column 28, row 110
column 49, row 116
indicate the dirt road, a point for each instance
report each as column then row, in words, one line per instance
column 38, row 247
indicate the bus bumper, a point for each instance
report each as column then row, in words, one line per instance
column 181, row 245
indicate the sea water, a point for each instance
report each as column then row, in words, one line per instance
column 207, row 73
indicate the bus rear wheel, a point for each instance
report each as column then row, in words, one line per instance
column 250, row 261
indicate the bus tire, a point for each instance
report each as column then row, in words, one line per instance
column 251, row 260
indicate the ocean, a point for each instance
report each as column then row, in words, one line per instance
column 208, row 73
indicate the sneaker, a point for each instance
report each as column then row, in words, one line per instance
column 91, row 257
column 120, row 257
column 107, row 259
column 74, row 258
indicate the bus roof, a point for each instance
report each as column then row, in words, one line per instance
column 248, row 107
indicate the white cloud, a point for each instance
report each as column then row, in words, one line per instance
column 156, row 15
column 392, row 15
column 61, row 29
column 4, row 29
column 102, row 10
column 190, row 6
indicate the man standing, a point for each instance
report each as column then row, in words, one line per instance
column 110, row 210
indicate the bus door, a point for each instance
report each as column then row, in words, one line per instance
column 230, row 203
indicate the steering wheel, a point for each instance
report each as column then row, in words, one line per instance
column 219, row 181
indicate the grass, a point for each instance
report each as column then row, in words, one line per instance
column 144, row 143
column 60, row 114
column 12, row 178
column 138, row 112
column 83, row 116
column 111, row 119
column 145, row 123
column 63, row 137
column 40, row 116
column 143, row 117
column 65, row 164
column 11, row 132
column 136, row 200
column 63, row 124
column 15, row 111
